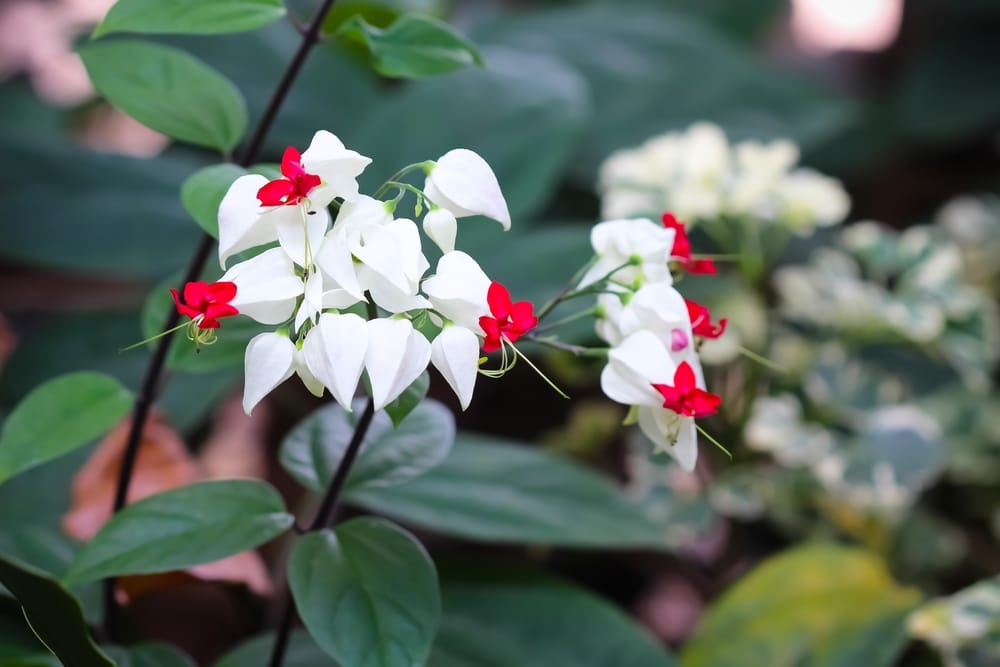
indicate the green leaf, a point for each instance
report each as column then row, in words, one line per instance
column 499, row 491
column 301, row 651
column 521, row 105
column 414, row 46
column 388, row 456
column 503, row 618
column 367, row 593
column 964, row 627
column 149, row 654
column 409, row 399
column 379, row 13
column 19, row 647
column 816, row 605
column 53, row 613
column 182, row 527
column 646, row 71
column 169, row 91
column 203, row 191
column 195, row 17
column 58, row 417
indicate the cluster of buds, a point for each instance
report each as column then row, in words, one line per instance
column 653, row 332
column 348, row 295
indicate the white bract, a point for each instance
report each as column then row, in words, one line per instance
column 641, row 360
column 463, row 183
column 631, row 251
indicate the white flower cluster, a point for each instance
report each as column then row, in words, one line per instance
column 321, row 270
column 698, row 175
column 653, row 331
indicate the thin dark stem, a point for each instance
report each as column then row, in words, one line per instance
column 322, row 520
column 154, row 371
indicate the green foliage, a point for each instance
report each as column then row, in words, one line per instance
column 367, row 592
column 196, row 17
column 301, row 652
column 500, row 491
column 409, row 399
column 413, row 46
column 503, row 618
column 199, row 523
column 390, row 455
column 380, row 13
column 964, row 627
column 59, row 416
column 814, row 605
column 169, row 91
column 149, row 654
column 53, row 613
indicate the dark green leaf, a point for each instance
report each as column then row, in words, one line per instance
column 504, row 618
column 388, row 456
column 126, row 218
column 414, row 46
column 169, row 91
column 499, row 491
column 19, row 647
column 814, row 605
column 651, row 70
column 54, row 614
column 149, row 654
column 409, row 399
column 203, row 191
column 300, row 652
column 521, row 105
column 195, row 17
column 58, row 417
column 182, row 527
column 367, row 593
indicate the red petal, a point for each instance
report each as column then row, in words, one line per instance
column 684, row 377
column 222, row 291
column 705, row 266
column 195, row 294
column 702, row 403
column 217, row 310
column 183, row 308
column 277, row 193
column 681, row 249
column 291, row 163
column 672, row 398
column 498, row 299
column 522, row 316
column 491, row 328
column 306, row 182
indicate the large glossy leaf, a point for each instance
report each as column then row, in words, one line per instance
column 168, row 90
column 19, row 647
column 816, row 605
column 60, row 416
column 182, row 527
column 149, row 654
column 499, row 491
column 522, row 113
column 66, row 343
column 651, row 70
column 409, row 399
column 201, row 17
column 379, row 13
column 389, row 455
column 54, row 614
column 413, row 46
column 125, row 218
column 301, row 651
column 502, row 618
column 367, row 593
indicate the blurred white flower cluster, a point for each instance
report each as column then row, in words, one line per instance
column 698, row 175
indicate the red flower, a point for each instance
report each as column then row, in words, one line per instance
column 208, row 302
column 510, row 320
column 681, row 252
column 701, row 321
column 295, row 185
column 684, row 397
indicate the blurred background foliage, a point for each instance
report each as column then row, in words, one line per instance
column 877, row 428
